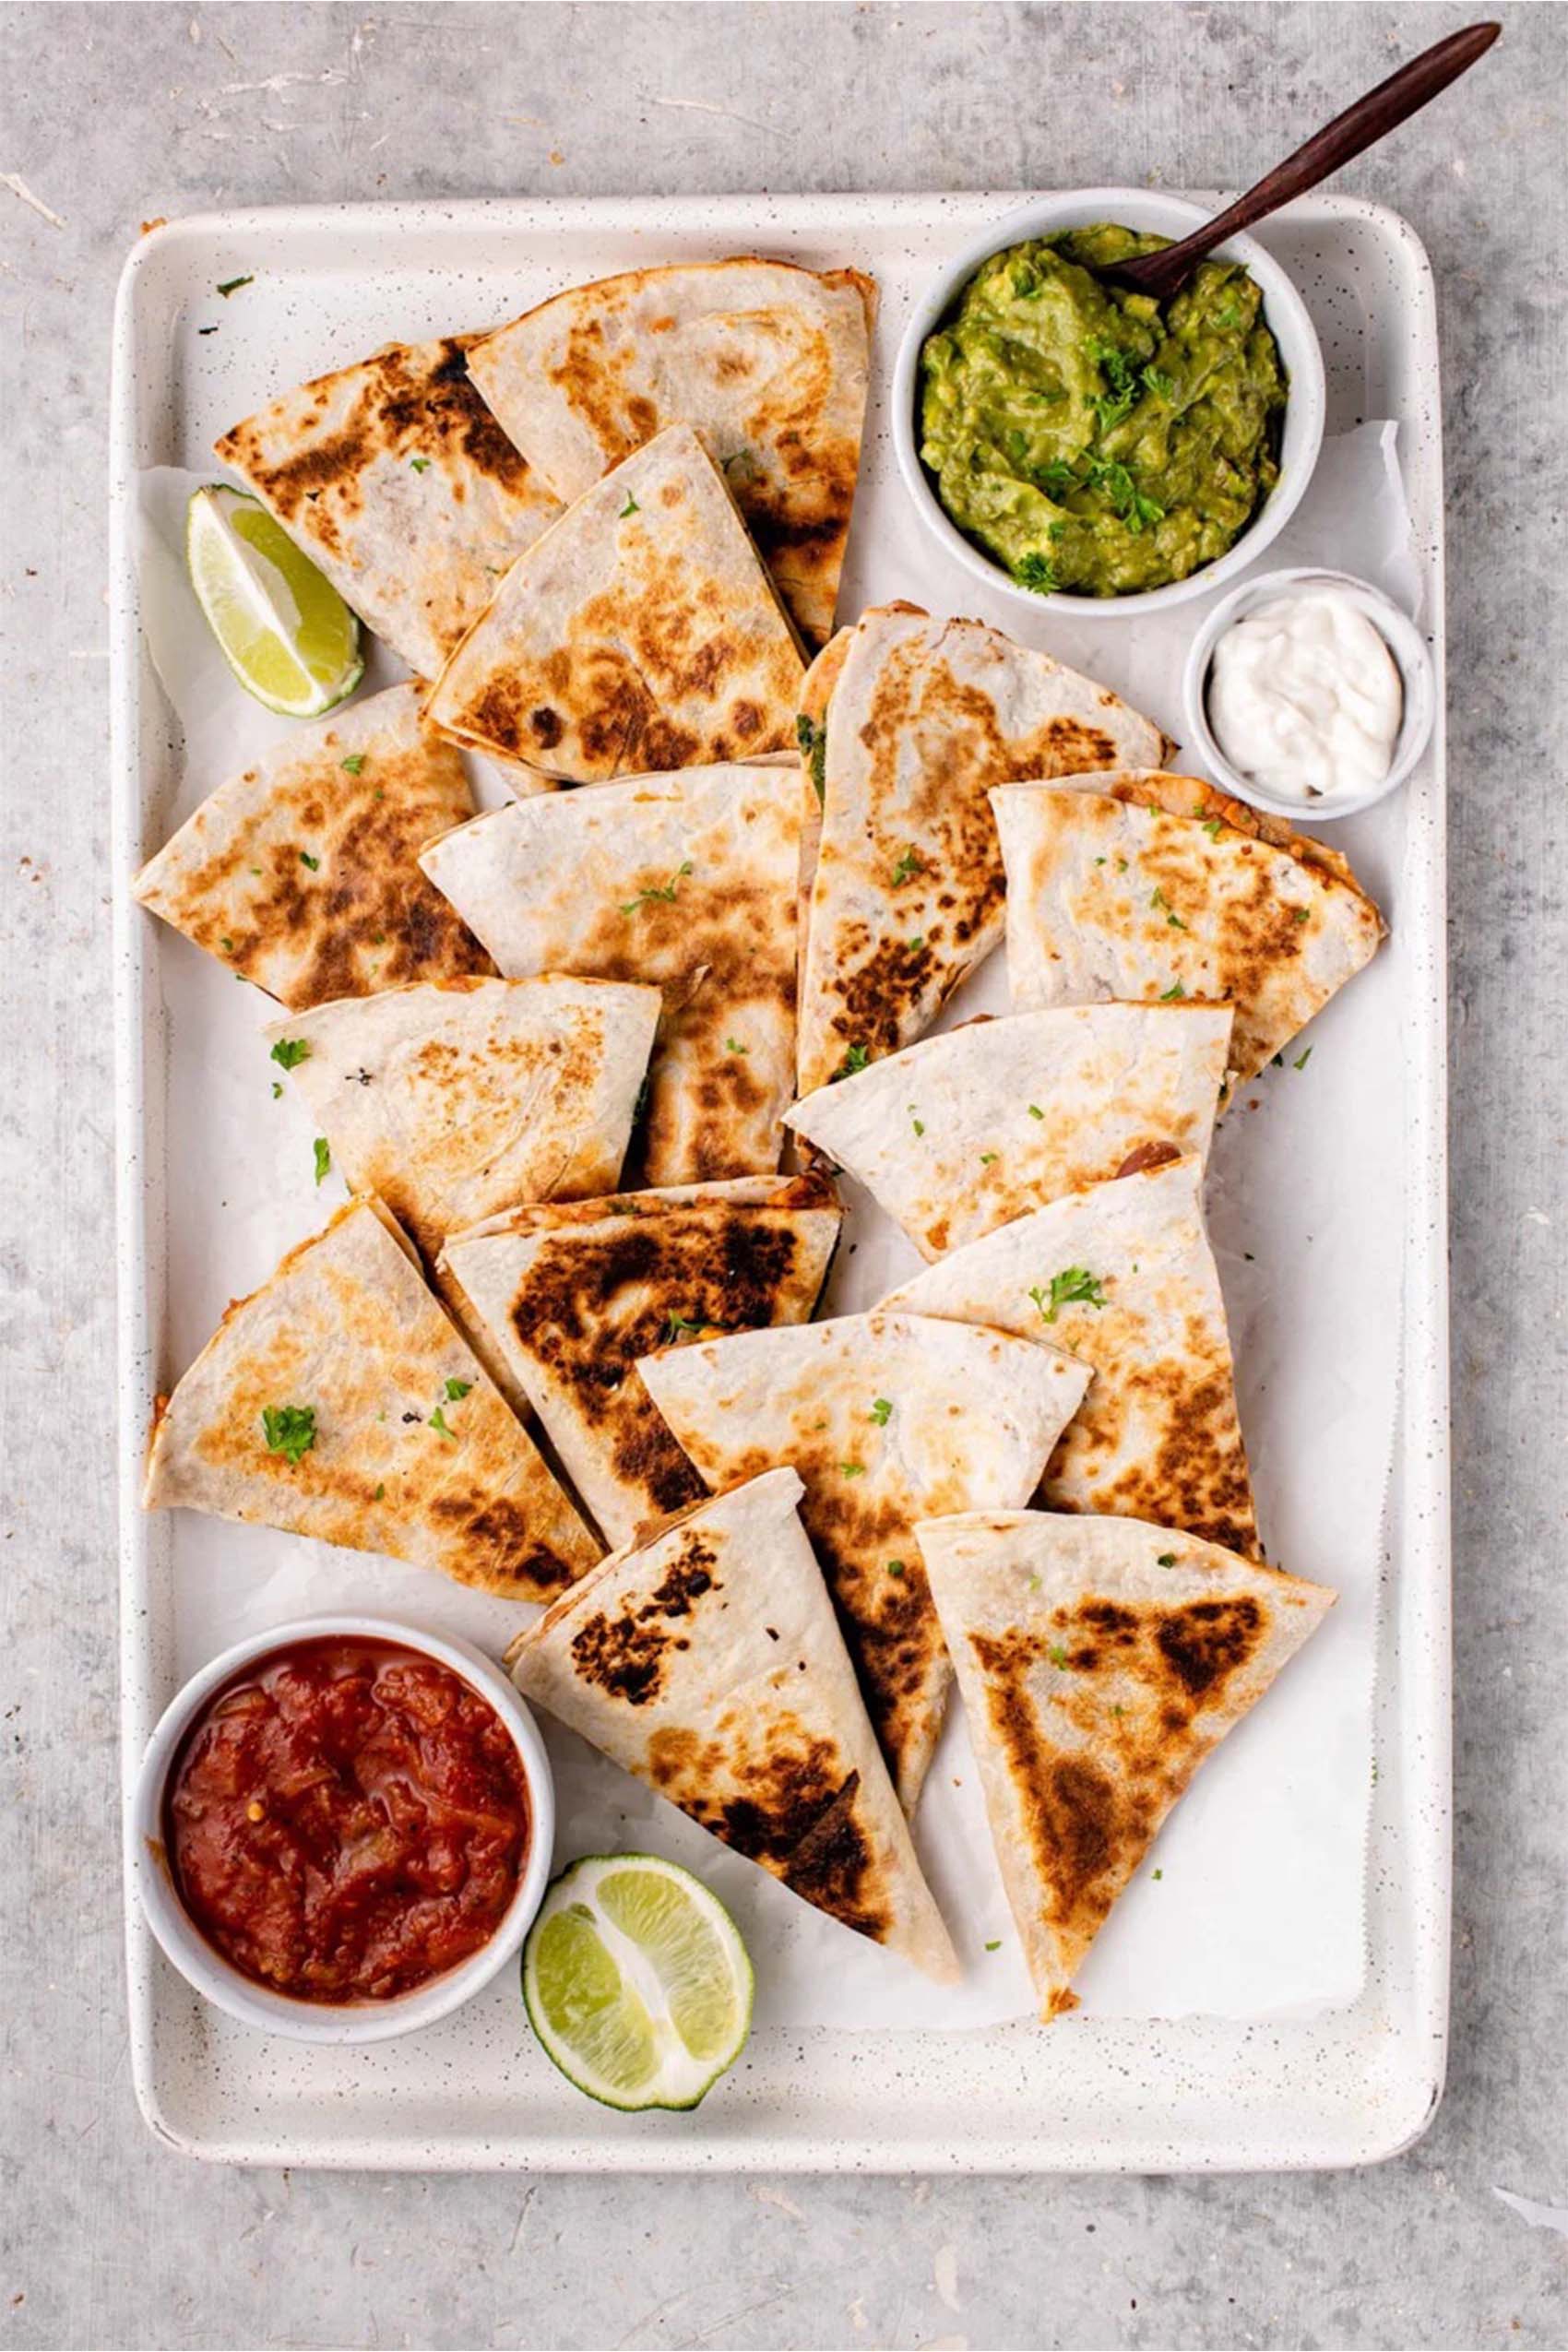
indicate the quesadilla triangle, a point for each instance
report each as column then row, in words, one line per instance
column 684, row 880
column 454, row 1101
column 1099, row 1661
column 963, row 1131
column 640, row 632
column 1123, row 1276
column 888, row 1419
column 1115, row 891
column 907, row 893
column 399, row 483
column 300, row 873
column 771, row 361
column 709, row 1662
column 339, row 1401
column 570, row 1298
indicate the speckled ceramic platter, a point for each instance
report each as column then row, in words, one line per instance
column 1347, row 1157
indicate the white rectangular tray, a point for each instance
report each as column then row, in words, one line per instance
column 1096, row 2092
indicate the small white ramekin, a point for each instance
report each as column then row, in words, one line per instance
column 204, row 1968
column 1167, row 216
column 1407, row 649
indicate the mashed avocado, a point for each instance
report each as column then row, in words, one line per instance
column 1089, row 439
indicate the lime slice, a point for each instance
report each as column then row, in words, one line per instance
column 636, row 1981
column 286, row 633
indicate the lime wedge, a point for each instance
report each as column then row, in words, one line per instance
column 286, row 633
column 636, row 1981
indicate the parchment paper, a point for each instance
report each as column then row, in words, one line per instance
column 1259, row 1907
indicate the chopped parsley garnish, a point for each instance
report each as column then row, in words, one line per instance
column 881, row 1410
column 913, row 946
column 438, row 1422
column 1302, row 1060
column 1158, row 1873
column 1034, row 571
column 631, row 507
column 908, row 865
column 1035, row 1110
column 1160, row 901
column 855, row 1058
column 1167, row 995
column 895, row 1568
column 307, row 859
column 354, row 764
column 918, row 1123
column 733, row 1045
column 851, row 1469
column 420, row 465
column 1075, row 1285
column 995, row 1944
column 813, row 741
column 678, row 1323
column 1168, row 1559
column 277, row 1089
column 665, row 890
column 379, row 1494
column 323, row 1158
column 986, row 1158
column 1162, row 386
column 1302, row 914
column 233, row 285
column 1214, row 826
column 1057, row 478
column 1057, row 1655
column 458, row 1389
column 289, row 1429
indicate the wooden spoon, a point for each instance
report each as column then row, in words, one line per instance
column 1361, row 126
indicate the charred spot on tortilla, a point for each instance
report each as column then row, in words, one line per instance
column 625, row 1655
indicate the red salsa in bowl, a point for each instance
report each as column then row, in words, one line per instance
column 345, row 1819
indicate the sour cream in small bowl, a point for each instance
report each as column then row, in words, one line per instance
column 1309, row 693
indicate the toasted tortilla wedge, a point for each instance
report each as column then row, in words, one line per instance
column 1100, row 1660
column 907, row 895
column 709, row 1662
column 686, row 881
column 769, row 360
column 1121, row 1275
column 641, row 631
column 399, row 483
column 571, row 1297
column 404, row 1446
column 454, row 1101
column 888, row 1419
column 300, row 872
column 1111, row 894
column 959, row 1134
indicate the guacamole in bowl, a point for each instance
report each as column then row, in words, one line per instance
column 1091, row 441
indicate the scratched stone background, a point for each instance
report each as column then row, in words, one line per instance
column 112, row 115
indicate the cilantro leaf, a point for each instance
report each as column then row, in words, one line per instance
column 420, row 465
column 1033, row 571
column 1167, row 1559
column 323, row 1158
column 1168, row 995
column 881, row 1411
column 851, row 1469
column 231, row 285
column 307, row 859
column 289, row 1429
column 354, row 762
column 855, row 1058
column 1301, row 1061
column 1075, row 1285
column 290, row 1051
column 664, row 890
column 908, row 865
column 677, row 1324
column 458, row 1389
column 631, row 507
column 438, row 1422
column 813, row 741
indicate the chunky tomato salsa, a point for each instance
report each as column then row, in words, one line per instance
column 347, row 1819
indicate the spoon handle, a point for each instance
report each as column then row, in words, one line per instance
column 1359, row 127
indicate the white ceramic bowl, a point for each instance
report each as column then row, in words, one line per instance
column 204, row 1968
column 1407, row 649
column 1167, row 216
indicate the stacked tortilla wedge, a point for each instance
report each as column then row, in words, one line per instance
column 921, row 718
column 706, row 1660
column 768, row 359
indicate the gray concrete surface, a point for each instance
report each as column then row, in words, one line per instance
column 112, row 115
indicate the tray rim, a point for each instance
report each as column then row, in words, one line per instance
column 1414, row 2041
